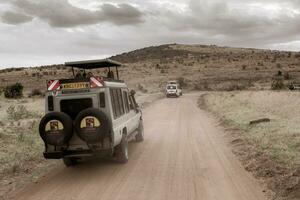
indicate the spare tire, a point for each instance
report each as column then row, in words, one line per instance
column 92, row 125
column 56, row 128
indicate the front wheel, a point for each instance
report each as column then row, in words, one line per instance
column 121, row 151
column 139, row 137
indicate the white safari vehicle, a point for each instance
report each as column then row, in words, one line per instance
column 173, row 89
column 90, row 115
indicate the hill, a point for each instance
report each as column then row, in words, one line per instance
column 199, row 67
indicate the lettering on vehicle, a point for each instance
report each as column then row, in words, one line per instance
column 79, row 85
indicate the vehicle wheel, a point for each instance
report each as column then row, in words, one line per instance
column 56, row 128
column 121, row 151
column 139, row 137
column 92, row 125
column 69, row 161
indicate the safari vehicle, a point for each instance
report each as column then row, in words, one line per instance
column 173, row 89
column 90, row 115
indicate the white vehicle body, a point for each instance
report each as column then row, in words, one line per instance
column 173, row 90
column 104, row 117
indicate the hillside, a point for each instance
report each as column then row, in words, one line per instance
column 200, row 67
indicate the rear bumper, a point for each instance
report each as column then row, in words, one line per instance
column 171, row 94
column 83, row 153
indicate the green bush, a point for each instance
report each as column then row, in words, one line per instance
column 14, row 91
column 277, row 85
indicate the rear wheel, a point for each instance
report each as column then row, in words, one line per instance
column 139, row 137
column 69, row 161
column 121, row 151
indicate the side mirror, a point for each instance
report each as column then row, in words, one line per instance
column 132, row 92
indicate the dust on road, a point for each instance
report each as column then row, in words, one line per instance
column 184, row 156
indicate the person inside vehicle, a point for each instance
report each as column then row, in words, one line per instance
column 78, row 75
column 110, row 74
column 90, row 74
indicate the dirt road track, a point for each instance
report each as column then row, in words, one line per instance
column 183, row 157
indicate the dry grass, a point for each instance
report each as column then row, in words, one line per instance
column 270, row 150
column 280, row 138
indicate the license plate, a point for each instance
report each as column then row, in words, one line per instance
column 69, row 86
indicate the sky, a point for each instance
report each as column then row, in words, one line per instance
column 41, row 32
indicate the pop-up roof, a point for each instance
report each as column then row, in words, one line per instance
column 93, row 64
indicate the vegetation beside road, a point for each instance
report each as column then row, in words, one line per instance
column 21, row 159
column 21, row 148
column 269, row 149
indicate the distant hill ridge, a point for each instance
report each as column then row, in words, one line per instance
column 200, row 67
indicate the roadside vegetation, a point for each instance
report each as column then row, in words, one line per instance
column 265, row 131
column 21, row 158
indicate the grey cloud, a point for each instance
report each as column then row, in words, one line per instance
column 123, row 14
column 236, row 25
column 60, row 13
column 15, row 18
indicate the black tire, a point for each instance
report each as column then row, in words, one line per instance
column 56, row 128
column 69, row 161
column 121, row 151
column 139, row 137
column 91, row 125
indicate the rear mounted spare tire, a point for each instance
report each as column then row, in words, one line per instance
column 92, row 125
column 56, row 128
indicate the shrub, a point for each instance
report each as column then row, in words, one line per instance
column 17, row 113
column 278, row 65
column 14, row 91
column 141, row 88
column 35, row 92
column 277, row 85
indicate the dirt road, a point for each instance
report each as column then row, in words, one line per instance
column 184, row 156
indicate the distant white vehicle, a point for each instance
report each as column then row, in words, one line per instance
column 173, row 89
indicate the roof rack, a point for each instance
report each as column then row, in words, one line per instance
column 94, row 64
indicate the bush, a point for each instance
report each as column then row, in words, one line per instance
column 277, row 85
column 278, row 65
column 14, row 91
column 141, row 88
column 35, row 92
column 17, row 113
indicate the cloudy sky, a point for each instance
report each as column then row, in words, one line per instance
column 36, row 32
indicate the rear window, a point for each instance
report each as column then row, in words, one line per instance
column 73, row 106
column 171, row 87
